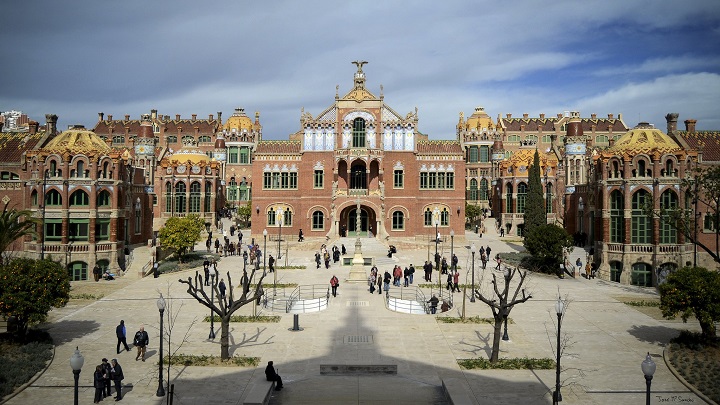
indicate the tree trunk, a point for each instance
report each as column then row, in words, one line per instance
column 497, row 333
column 708, row 329
column 225, row 337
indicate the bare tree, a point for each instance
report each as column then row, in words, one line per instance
column 225, row 307
column 501, row 304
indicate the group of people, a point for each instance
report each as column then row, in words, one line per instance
column 99, row 274
column 324, row 256
column 107, row 372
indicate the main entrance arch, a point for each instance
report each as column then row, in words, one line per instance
column 348, row 221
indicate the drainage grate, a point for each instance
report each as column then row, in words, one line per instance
column 358, row 303
column 357, row 339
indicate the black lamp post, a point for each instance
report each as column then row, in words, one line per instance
column 212, row 302
column 161, row 308
column 436, row 258
column 76, row 362
column 280, row 218
column 559, row 309
column 505, row 336
column 472, row 292
column 452, row 251
column 648, row 368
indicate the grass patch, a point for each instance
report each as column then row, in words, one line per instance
column 642, row 303
column 508, row 364
column 470, row 319
column 203, row 361
column 191, row 261
column 20, row 361
column 247, row 318
column 290, row 267
column 85, row 296
column 698, row 360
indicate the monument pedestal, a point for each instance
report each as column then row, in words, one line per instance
column 357, row 271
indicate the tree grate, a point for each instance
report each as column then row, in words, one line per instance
column 357, row 339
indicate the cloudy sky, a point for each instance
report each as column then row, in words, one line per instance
column 641, row 58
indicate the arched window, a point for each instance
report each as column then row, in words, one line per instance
column 617, row 217
column 521, row 196
column 641, row 228
column 615, row 271
column 483, row 189
column 615, row 170
column 271, row 217
column 398, row 221
column 641, row 275
column 668, row 233
column 81, row 169
column 232, row 190
column 79, row 198
column 103, row 199
column 358, row 134
column 180, row 198
column 77, row 271
column 318, row 221
column 194, row 196
column 484, row 154
column 34, row 198
column 287, row 218
column 208, row 194
column 473, row 190
column 358, row 178
column 168, row 197
column 669, row 172
column 171, row 139
column 105, row 170
column 205, row 139
column 548, row 198
column 444, row 217
column 53, row 169
column 641, row 169
column 508, row 198
column 428, row 217
column 53, row 197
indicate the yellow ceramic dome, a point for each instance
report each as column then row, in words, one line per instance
column 479, row 120
column 238, row 121
column 77, row 140
column 190, row 153
column 644, row 138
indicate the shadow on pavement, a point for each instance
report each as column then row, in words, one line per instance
column 654, row 334
column 67, row 331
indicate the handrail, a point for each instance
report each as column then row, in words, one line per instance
column 303, row 298
column 146, row 268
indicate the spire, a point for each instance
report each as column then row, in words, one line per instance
column 359, row 75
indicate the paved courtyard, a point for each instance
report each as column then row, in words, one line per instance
column 607, row 340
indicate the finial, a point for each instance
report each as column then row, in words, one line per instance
column 359, row 64
column 337, row 89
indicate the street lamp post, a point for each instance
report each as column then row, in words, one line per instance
column 212, row 302
column 436, row 222
column 280, row 219
column 452, row 251
column 473, row 249
column 559, row 310
column 76, row 363
column 648, row 368
column 46, row 174
column 161, row 308
column 506, row 273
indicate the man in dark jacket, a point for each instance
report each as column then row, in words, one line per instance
column 107, row 375
column 116, row 374
column 272, row 375
column 121, row 336
column 271, row 263
column 141, row 341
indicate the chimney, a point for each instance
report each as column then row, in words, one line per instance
column 574, row 127
column 153, row 114
column 690, row 125
column 525, row 115
column 210, row 117
column 51, row 123
column 671, row 119
column 611, row 141
column 559, row 115
column 127, row 117
column 101, row 115
column 610, row 116
column 593, row 116
column 509, row 116
column 542, row 116
column 33, row 127
column 109, row 117
column 177, row 117
column 194, row 117
column 219, row 117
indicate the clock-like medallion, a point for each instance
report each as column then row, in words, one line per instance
column 196, row 169
column 208, row 170
column 181, row 169
column 168, row 170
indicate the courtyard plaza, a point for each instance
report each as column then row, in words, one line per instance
column 601, row 364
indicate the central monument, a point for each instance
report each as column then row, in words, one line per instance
column 357, row 271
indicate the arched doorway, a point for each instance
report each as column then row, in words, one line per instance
column 348, row 220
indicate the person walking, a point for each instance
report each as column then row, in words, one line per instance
column 301, row 237
column 334, row 283
column 120, row 332
column 449, row 285
column 272, row 375
column 271, row 263
column 99, row 383
column 488, row 250
column 386, row 281
column 379, row 284
column 116, row 374
column 317, row 260
column 499, row 262
column 371, row 283
column 406, row 277
column 456, row 281
column 222, row 288
column 141, row 341
column 433, row 304
column 217, row 245
column 412, row 273
column 578, row 265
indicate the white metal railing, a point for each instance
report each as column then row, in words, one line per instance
column 409, row 300
column 304, row 298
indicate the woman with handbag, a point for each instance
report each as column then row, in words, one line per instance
column 334, row 283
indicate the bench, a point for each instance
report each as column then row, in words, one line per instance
column 259, row 392
column 457, row 392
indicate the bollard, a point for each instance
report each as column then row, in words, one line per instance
column 296, row 322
